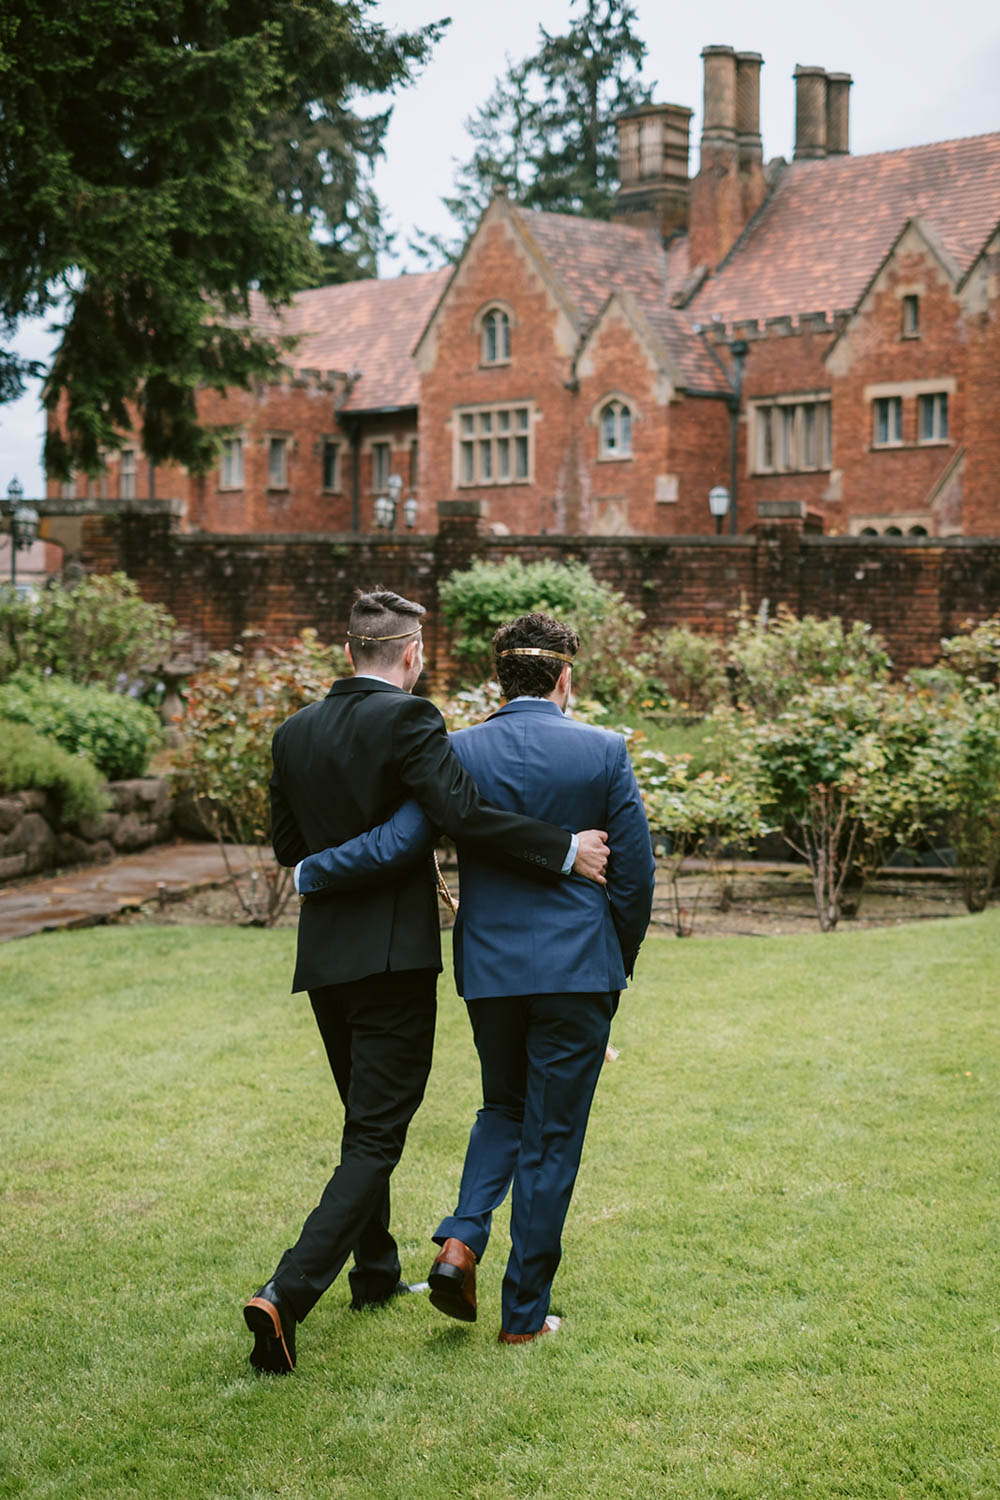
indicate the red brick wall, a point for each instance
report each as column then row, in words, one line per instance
column 304, row 409
column 913, row 591
column 499, row 269
column 897, row 481
column 981, row 480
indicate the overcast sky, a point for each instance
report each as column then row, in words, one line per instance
column 923, row 71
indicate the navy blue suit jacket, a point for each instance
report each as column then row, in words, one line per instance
column 513, row 936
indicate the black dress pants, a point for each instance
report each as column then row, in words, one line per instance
column 379, row 1038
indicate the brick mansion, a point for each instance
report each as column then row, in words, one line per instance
column 820, row 338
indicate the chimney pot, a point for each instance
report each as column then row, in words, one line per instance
column 810, row 112
column 719, row 115
column 838, row 99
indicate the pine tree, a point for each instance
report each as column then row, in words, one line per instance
column 547, row 131
column 159, row 159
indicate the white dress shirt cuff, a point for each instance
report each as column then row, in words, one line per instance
column 568, row 862
column 295, row 874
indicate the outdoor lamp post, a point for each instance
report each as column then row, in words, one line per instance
column 718, row 504
column 410, row 508
column 23, row 525
column 386, row 505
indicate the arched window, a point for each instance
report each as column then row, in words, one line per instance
column 495, row 348
column 917, row 531
column 868, row 531
column 615, row 425
column 893, row 531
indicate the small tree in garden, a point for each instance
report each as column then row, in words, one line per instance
column 700, row 815
column 232, row 709
column 965, row 758
column 843, row 773
column 97, row 631
column 976, row 653
column 688, row 668
column 777, row 660
column 485, row 595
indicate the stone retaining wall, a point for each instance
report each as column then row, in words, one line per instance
column 33, row 838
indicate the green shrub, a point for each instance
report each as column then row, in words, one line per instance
column 778, row 660
column 117, row 733
column 232, row 708
column 97, row 631
column 30, row 761
column 688, row 668
column 475, row 602
column 975, row 654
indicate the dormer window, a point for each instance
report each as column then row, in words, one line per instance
column 495, row 337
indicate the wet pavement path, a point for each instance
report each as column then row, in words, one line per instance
column 98, row 893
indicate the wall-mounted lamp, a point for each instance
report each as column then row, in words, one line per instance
column 718, row 504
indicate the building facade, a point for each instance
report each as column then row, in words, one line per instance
column 821, row 338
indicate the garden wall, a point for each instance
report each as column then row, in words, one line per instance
column 33, row 838
column 914, row 590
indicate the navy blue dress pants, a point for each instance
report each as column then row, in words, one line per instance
column 541, row 1056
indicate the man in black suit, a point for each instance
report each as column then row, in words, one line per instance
column 370, row 961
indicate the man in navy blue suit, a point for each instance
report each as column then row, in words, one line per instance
column 540, row 967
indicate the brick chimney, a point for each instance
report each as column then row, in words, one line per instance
column 748, row 138
column 810, row 112
column 838, row 92
column 653, row 145
column 730, row 183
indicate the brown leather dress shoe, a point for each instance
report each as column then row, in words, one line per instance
column 452, row 1280
column 552, row 1324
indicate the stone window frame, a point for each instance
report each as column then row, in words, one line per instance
column 781, row 434
column 327, row 442
column 128, row 474
column 935, row 402
column 488, row 439
column 887, row 412
column 909, row 327
column 903, row 392
column 380, row 453
column 620, row 407
column 286, row 441
column 234, row 442
column 485, row 319
column 908, row 524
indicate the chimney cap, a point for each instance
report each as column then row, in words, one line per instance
column 717, row 48
column 808, row 70
column 839, row 78
column 749, row 57
column 637, row 110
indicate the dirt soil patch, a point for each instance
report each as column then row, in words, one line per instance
column 744, row 901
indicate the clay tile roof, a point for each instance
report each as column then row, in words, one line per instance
column 369, row 326
column 593, row 259
column 828, row 225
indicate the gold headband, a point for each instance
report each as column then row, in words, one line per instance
column 536, row 651
column 368, row 639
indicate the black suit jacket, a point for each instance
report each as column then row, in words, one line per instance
column 342, row 766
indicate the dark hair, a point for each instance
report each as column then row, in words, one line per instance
column 381, row 614
column 535, row 676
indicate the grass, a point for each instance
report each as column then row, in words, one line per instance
column 780, row 1264
column 691, row 738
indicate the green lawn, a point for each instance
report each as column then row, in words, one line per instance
column 780, row 1272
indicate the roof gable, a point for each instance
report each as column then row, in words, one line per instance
column 818, row 239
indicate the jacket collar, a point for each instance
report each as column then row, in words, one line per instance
column 362, row 685
column 528, row 705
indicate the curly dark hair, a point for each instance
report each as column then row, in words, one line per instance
column 534, row 676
